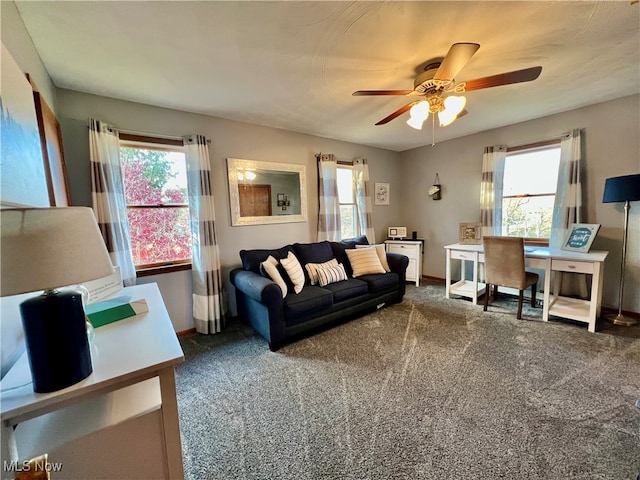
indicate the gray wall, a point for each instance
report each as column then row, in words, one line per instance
column 229, row 139
column 611, row 148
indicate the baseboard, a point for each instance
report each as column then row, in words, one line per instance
column 184, row 333
column 626, row 313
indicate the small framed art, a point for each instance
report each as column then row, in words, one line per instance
column 470, row 234
column 382, row 194
column 580, row 237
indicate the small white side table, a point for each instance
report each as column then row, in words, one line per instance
column 411, row 249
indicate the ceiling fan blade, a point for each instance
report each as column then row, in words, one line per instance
column 381, row 92
column 397, row 113
column 457, row 57
column 517, row 76
column 462, row 113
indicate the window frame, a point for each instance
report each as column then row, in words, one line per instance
column 131, row 140
column 531, row 147
column 353, row 204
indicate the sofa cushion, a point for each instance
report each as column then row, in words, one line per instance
column 318, row 252
column 340, row 247
column 270, row 266
column 331, row 274
column 294, row 270
column 364, row 261
column 251, row 259
column 382, row 254
column 310, row 300
column 380, row 282
column 312, row 269
column 350, row 288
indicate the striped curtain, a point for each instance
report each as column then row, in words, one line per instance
column 107, row 197
column 328, row 205
column 363, row 199
column 491, row 189
column 208, row 297
column 567, row 208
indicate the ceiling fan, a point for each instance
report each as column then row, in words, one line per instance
column 436, row 88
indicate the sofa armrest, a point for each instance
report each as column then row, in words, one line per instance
column 398, row 263
column 257, row 287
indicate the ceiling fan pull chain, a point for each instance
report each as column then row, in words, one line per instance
column 433, row 130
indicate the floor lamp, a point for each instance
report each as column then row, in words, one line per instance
column 622, row 189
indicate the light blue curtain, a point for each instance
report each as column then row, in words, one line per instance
column 107, row 196
column 491, row 188
column 362, row 189
column 208, row 296
column 329, row 206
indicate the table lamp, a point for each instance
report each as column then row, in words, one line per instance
column 44, row 249
column 622, row 189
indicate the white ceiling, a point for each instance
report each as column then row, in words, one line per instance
column 294, row 65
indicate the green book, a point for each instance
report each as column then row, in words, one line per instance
column 112, row 310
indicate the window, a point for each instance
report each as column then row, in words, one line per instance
column 155, row 183
column 347, row 200
column 529, row 191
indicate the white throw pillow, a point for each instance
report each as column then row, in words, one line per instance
column 327, row 275
column 382, row 254
column 312, row 269
column 294, row 270
column 270, row 265
column 364, row 261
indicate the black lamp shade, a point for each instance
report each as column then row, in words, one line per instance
column 621, row 189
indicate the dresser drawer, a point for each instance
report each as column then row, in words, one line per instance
column 407, row 250
column 460, row 255
column 572, row 266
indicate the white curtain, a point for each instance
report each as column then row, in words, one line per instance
column 107, row 196
column 362, row 189
column 329, row 206
column 491, row 189
column 567, row 208
column 208, row 297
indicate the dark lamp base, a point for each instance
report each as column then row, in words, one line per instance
column 56, row 340
column 621, row 319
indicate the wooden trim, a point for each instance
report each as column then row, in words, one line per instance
column 184, row 333
column 158, row 269
column 527, row 195
column 626, row 313
column 130, row 137
column 531, row 146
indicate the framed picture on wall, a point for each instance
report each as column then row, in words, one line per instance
column 580, row 237
column 470, row 234
column 382, row 194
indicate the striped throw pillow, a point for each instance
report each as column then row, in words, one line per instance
column 294, row 270
column 382, row 254
column 270, row 265
column 364, row 261
column 312, row 269
column 327, row 275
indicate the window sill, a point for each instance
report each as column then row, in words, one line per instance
column 537, row 242
column 148, row 271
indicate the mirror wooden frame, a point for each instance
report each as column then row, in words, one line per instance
column 236, row 164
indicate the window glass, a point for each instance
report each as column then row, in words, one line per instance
column 346, row 198
column 529, row 190
column 156, row 193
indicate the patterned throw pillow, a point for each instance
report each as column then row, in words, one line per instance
column 294, row 270
column 312, row 269
column 327, row 275
column 382, row 254
column 364, row 261
column 270, row 265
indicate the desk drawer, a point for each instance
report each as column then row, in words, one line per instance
column 460, row 255
column 572, row 266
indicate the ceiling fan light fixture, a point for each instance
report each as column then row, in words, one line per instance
column 452, row 107
column 418, row 114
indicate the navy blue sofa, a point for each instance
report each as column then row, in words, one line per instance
column 260, row 303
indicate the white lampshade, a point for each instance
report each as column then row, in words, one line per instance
column 47, row 248
column 452, row 107
column 418, row 114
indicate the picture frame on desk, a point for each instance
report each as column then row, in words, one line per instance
column 470, row 234
column 580, row 236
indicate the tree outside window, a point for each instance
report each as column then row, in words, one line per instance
column 155, row 184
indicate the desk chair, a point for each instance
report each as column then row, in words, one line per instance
column 504, row 266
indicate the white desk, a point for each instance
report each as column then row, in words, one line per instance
column 544, row 258
column 130, row 393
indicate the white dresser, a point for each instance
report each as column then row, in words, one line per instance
column 411, row 249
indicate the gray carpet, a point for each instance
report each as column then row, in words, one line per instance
column 427, row 389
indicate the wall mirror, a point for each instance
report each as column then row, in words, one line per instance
column 266, row 192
